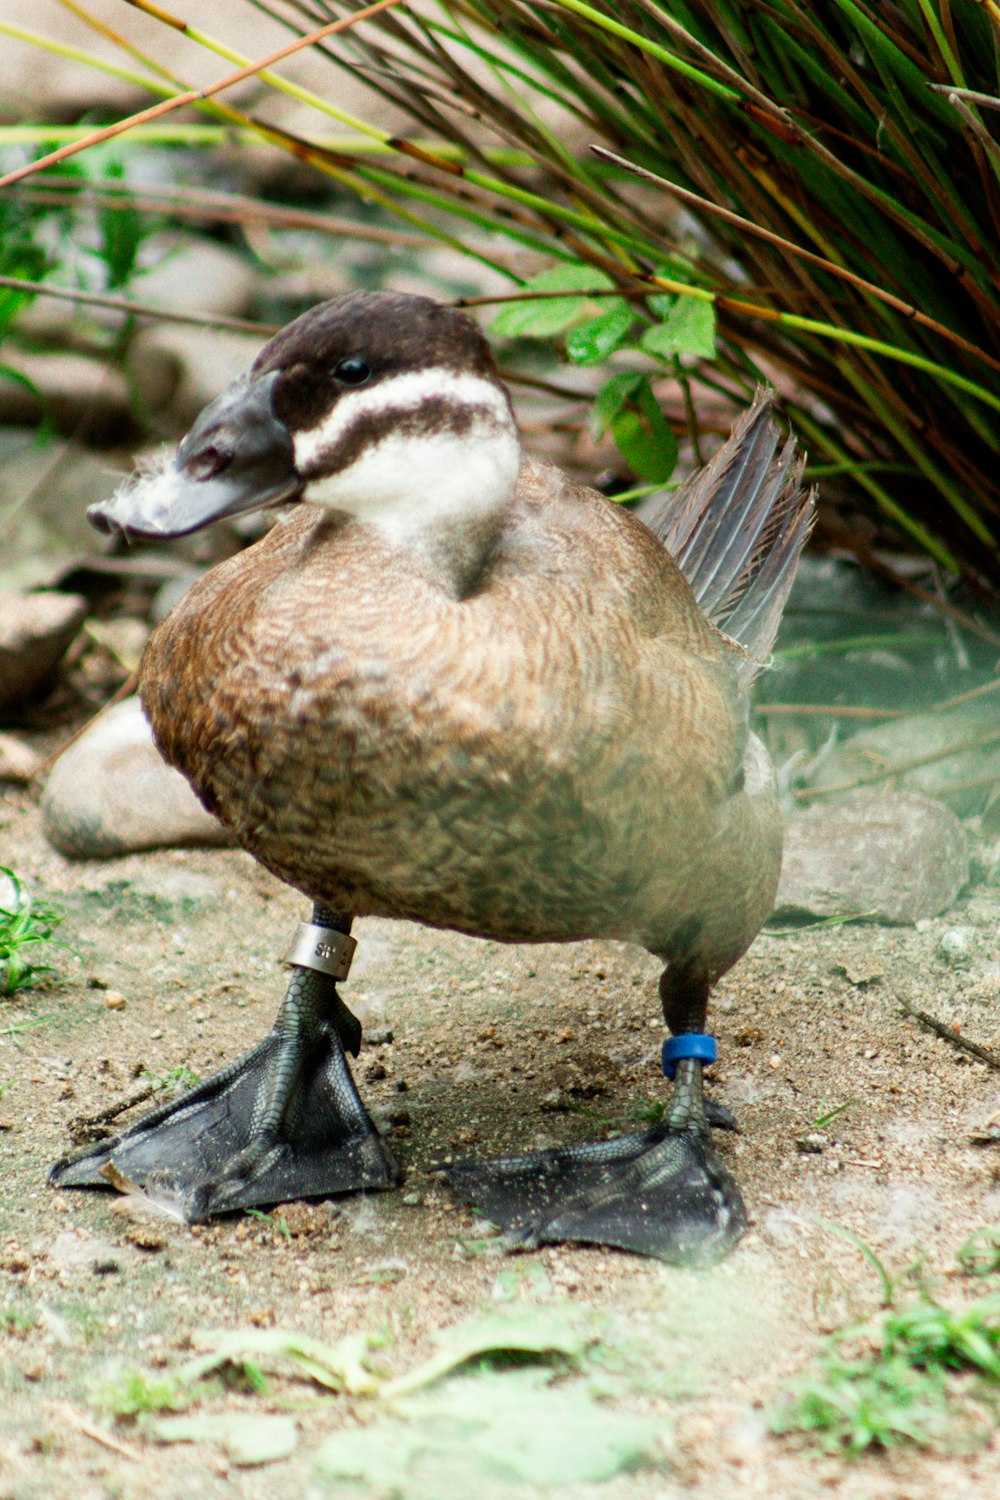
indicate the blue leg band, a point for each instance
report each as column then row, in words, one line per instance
column 689, row 1044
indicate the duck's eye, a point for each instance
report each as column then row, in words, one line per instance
column 352, row 371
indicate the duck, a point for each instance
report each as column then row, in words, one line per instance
column 452, row 685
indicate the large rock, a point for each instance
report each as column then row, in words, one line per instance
column 85, row 398
column 960, row 751
column 44, row 494
column 111, row 793
column 36, row 630
column 181, row 369
column 894, row 858
column 192, row 276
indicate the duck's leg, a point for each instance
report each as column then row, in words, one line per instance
column 663, row 1193
column 283, row 1121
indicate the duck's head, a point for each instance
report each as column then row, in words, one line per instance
column 388, row 407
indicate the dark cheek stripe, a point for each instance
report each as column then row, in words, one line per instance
column 433, row 417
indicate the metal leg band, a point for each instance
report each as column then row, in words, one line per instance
column 323, row 949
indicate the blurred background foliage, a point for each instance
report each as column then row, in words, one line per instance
column 684, row 199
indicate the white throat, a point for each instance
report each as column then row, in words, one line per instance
column 435, row 484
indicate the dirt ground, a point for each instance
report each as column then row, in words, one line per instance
column 492, row 1049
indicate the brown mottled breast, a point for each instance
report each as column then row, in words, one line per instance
column 557, row 755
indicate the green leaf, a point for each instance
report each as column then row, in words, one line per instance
column 590, row 343
column 123, row 230
column 27, row 264
column 542, row 1331
column 643, row 436
column 674, row 268
column 338, row 1366
column 688, row 328
column 248, row 1437
column 549, row 316
column 611, row 398
column 18, row 377
column 980, row 1254
column 482, row 1434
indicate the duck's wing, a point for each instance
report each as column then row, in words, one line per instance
column 736, row 529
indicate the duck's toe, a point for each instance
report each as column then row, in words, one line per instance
column 664, row 1193
column 206, row 1153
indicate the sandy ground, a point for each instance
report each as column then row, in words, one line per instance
column 492, row 1049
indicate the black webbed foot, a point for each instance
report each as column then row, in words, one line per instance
column 283, row 1121
column 664, row 1193
column 719, row 1117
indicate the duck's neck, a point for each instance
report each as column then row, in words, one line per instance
column 433, row 472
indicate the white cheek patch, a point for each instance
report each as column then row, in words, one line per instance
column 401, row 393
column 407, row 482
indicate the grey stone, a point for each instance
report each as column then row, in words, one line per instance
column 179, row 888
column 195, row 276
column 36, row 630
column 111, row 793
column 44, row 494
column 181, row 369
column 18, row 762
column 171, row 593
column 78, row 395
column 955, row 947
column 124, row 638
column 283, row 295
column 813, row 1144
column 902, row 741
column 898, row 857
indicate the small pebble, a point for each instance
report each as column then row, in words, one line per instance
column 812, row 1144
column 379, row 1036
column 114, row 1000
column 146, row 1238
column 955, row 947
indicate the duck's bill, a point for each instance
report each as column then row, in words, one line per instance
column 238, row 457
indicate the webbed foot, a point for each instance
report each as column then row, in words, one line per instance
column 283, row 1121
column 663, row 1193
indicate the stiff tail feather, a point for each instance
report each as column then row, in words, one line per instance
column 736, row 529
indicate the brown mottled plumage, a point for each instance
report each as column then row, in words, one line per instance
column 460, row 689
column 554, row 757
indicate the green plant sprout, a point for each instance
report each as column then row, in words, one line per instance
column 980, row 1254
column 24, row 928
column 922, row 1373
column 274, row 1221
column 174, row 1081
column 135, row 1393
